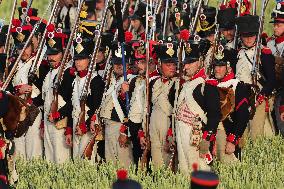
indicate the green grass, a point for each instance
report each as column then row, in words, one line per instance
column 6, row 7
column 262, row 167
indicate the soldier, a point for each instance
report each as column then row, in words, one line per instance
column 276, row 44
column 113, row 110
column 83, row 116
column 56, row 122
column 198, row 110
column 29, row 145
column 234, row 98
column 206, row 29
column 138, row 21
column 248, row 27
column 226, row 20
column 162, row 96
column 137, row 88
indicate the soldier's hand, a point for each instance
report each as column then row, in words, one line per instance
column 124, row 87
column 122, row 139
column 25, row 88
column 93, row 127
column 282, row 116
column 203, row 148
column 230, row 148
column 50, row 118
column 78, row 131
column 143, row 143
column 68, row 140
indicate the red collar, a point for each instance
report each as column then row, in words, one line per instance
column 82, row 73
column 279, row 39
column 200, row 73
column 129, row 71
column 215, row 82
column 101, row 66
column 154, row 73
column 165, row 79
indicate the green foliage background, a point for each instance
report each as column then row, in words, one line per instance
column 6, row 7
column 261, row 168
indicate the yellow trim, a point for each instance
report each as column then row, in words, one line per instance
column 199, row 28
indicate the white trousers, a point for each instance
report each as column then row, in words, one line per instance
column 29, row 145
column 113, row 152
column 80, row 143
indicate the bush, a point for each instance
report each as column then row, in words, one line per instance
column 262, row 167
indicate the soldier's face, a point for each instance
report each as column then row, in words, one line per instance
column 248, row 41
column 2, row 49
column 118, row 69
column 278, row 29
column 135, row 24
column 100, row 57
column 192, row 68
column 125, row 24
column 35, row 42
column 168, row 69
column 229, row 34
column 220, row 71
column 82, row 64
column 54, row 59
column 141, row 66
column 27, row 53
column 210, row 38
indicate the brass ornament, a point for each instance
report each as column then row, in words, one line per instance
column 170, row 50
column 21, row 37
column 51, row 42
column 79, row 48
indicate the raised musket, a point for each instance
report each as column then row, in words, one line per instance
column 196, row 17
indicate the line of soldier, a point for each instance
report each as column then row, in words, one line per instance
column 200, row 95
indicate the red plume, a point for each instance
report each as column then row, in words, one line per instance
column 121, row 174
column 184, row 34
column 24, row 4
column 128, row 36
column 16, row 22
column 30, row 12
column 194, row 166
column 223, row 7
column 50, row 28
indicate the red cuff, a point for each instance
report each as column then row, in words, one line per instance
column 123, row 128
column 94, row 117
column 55, row 115
column 17, row 89
column 141, row 134
column 233, row 139
column 122, row 96
column 4, row 179
column 209, row 136
column 68, row 131
column 83, row 128
column 281, row 109
column 170, row 132
column 260, row 98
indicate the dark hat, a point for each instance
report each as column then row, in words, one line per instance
column 226, row 18
column 204, row 180
column 125, row 183
column 55, row 40
column 3, row 103
column 83, row 47
column 64, row 21
column 195, row 48
column 206, row 21
column 245, row 7
column 225, row 57
column 248, row 25
column 106, row 40
column 29, row 13
column 278, row 13
column 3, row 34
column 167, row 51
column 33, row 20
column 89, row 28
column 138, row 51
column 140, row 13
column 20, row 33
column 117, row 52
column 180, row 15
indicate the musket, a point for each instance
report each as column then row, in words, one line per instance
column 165, row 19
column 147, row 147
column 41, row 44
column 254, row 7
column 9, row 77
column 54, row 104
column 257, row 51
column 7, row 42
column 236, row 27
column 196, row 17
column 83, row 97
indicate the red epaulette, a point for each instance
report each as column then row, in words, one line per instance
column 72, row 71
column 266, row 50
